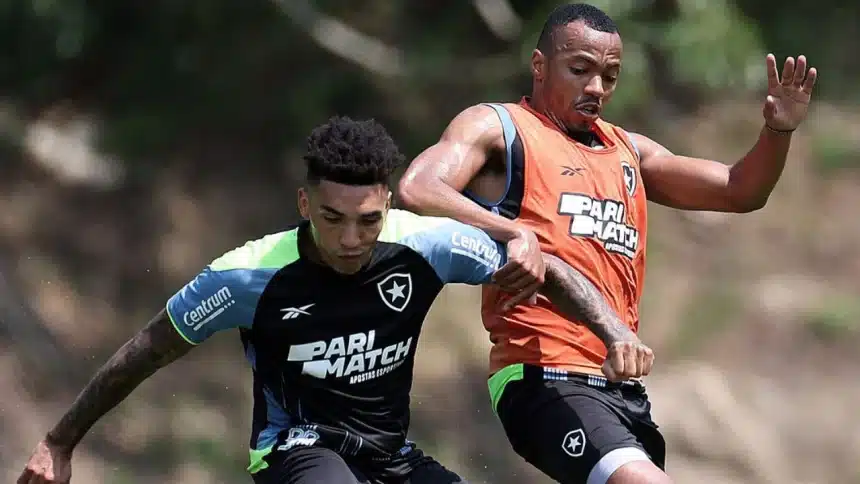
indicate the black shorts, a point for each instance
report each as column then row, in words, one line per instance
column 318, row 465
column 578, row 428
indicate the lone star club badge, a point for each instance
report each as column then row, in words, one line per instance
column 573, row 443
column 629, row 178
column 396, row 290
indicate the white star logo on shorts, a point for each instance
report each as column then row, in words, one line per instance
column 573, row 443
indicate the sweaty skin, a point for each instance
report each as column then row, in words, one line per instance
column 571, row 85
column 583, row 70
column 159, row 344
column 573, row 78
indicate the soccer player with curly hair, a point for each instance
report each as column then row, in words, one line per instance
column 329, row 313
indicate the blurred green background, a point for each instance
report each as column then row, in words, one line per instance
column 139, row 140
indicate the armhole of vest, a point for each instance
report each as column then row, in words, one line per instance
column 632, row 144
column 508, row 204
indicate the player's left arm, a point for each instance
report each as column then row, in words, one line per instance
column 699, row 184
column 464, row 254
column 578, row 299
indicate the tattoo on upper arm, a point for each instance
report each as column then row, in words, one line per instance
column 579, row 300
column 153, row 347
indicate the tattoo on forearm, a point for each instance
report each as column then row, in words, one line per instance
column 579, row 300
column 153, row 347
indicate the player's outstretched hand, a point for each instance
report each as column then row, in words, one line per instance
column 788, row 95
column 627, row 359
column 524, row 272
column 47, row 465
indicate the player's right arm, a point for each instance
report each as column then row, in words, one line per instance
column 210, row 303
column 434, row 182
column 153, row 347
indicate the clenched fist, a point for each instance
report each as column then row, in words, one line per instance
column 524, row 272
column 627, row 359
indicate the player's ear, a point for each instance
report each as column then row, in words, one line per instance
column 538, row 65
column 304, row 204
column 388, row 200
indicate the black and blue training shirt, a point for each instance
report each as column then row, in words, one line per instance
column 332, row 354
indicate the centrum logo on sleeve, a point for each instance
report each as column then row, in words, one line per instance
column 476, row 249
column 209, row 309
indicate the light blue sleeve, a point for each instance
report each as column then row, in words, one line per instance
column 226, row 293
column 458, row 252
column 216, row 301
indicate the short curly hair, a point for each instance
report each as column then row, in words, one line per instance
column 351, row 152
column 562, row 15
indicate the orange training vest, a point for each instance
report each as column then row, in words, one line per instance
column 587, row 206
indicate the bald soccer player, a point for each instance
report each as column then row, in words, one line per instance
column 548, row 174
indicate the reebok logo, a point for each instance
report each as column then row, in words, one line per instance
column 353, row 356
column 570, row 170
column 293, row 313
